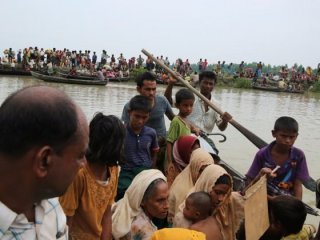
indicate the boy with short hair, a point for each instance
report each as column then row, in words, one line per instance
column 180, row 125
column 140, row 145
column 281, row 152
column 198, row 209
column 287, row 216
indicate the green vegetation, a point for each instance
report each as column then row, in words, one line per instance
column 242, row 83
column 136, row 71
column 315, row 87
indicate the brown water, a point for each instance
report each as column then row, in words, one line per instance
column 256, row 110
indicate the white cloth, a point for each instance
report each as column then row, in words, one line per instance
column 204, row 120
column 50, row 223
column 129, row 207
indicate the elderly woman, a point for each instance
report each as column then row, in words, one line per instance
column 145, row 200
column 182, row 149
column 199, row 160
column 228, row 205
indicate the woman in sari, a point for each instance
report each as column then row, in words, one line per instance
column 182, row 184
column 145, row 200
column 228, row 205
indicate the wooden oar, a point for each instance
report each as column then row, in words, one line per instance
column 258, row 142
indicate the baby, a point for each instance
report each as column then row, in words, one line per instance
column 198, row 209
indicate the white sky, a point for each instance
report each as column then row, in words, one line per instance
column 275, row 32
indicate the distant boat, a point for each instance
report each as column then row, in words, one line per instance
column 57, row 79
column 275, row 89
column 92, row 77
column 14, row 71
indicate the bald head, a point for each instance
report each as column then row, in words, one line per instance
column 37, row 116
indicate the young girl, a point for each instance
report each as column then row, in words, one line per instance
column 87, row 202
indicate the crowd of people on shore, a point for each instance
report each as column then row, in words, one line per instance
column 87, row 60
column 133, row 179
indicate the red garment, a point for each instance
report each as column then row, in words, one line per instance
column 184, row 145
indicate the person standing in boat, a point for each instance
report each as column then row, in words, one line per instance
column 140, row 144
column 293, row 169
column 147, row 86
column 202, row 116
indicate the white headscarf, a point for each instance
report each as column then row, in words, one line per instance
column 129, row 206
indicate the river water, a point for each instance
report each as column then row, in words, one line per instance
column 256, row 110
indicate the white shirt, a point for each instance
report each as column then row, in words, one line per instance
column 50, row 223
column 204, row 120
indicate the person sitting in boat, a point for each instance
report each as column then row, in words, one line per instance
column 182, row 149
column 73, row 72
column 137, row 214
column 147, row 86
column 185, row 180
column 198, row 209
column 140, row 145
column 281, row 152
column 100, row 74
column 227, row 205
column 282, row 84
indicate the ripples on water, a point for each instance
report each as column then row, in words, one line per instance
column 256, row 110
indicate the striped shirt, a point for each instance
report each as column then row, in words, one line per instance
column 50, row 222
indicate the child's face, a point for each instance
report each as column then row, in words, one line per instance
column 185, row 107
column 285, row 139
column 189, row 212
column 138, row 119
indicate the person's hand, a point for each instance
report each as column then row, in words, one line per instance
column 195, row 130
column 226, row 117
column 268, row 172
column 171, row 80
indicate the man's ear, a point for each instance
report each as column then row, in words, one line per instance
column 273, row 133
column 42, row 161
column 138, row 89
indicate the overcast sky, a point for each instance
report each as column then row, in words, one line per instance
column 275, row 32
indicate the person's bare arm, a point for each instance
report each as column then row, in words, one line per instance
column 170, row 115
column 168, row 92
column 297, row 189
column 154, row 158
column 106, row 225
column 169, row 152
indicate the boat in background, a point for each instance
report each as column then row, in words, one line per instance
column 57, row 79
column 14, row 71
column 275, row 89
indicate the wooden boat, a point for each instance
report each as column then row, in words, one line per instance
column 267, row 88
column 57, row 79
column 119, row 79
column 14, row 71
column 92, row 77
column 78, row 76
column 275, row 89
